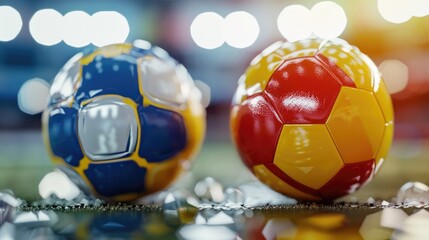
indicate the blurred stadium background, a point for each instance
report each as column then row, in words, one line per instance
column 215, row 40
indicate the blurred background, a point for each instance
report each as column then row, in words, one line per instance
column 215, row 40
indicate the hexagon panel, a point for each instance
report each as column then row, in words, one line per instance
column 303, row 91
column 107, row 128
column 256, row 77
column 255, row 124
column 350, row 60
column 307, row 154
column 356, row 124
column 351, row 177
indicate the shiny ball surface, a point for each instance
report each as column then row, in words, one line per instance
column 312, row 119
column 124, row 120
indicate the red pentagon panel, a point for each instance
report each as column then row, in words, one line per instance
column 340, row 75
column 351, row 177
column 302, row 91
column 256, row 124
column 292, row 182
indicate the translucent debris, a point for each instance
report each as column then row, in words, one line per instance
column 221, row 218
column 209, row 189
column 414, row 194
column 276, row 226
column 370, row 200
column 179, row 207
column 7, row 231
column 234, row 198
column 7, row 203
column 205, row 214
column 385, row 203
column 170, row 210
column 371, row 228
column 206, row 232
column 257, row 194
column 414, row 227
column 33, row 219
column 392, row 217
column 57, row 183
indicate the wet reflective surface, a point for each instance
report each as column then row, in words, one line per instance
column 213, row 211
column 350, row 221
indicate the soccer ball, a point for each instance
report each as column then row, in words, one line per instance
column 124, row 120
column 312, row 119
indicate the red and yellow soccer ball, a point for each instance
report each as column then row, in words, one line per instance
column 312, row 119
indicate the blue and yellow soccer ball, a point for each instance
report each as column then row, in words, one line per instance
column 123, row 121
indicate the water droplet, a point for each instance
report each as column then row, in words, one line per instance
column 385, row 203
column 234, row 198
column 413, row 193
column 209, row 189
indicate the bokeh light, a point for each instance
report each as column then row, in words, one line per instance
column 294, row 22
column 33, row 96
column 46, row 27
column 395, row 74
column 396, row 11
column 77, row 29
column 206, row 30
column 328, row 20
column 241, row 29
column 10, row 23
column 420, row 8
column 109, row 27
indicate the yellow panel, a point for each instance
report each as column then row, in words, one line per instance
column 384, row 146
column 307, row 154
column 162, row 175
column 353, row 62
column 267, row 177
column 356, row 125
column 262, row 66
column 385, row 102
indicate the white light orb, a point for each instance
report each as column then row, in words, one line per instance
column 109, row 27
column 420, row 8
column 395, row 11
column 294, row 23
column 207, row 30
column 77, row 30
column 395, row 75
column 33, row 96
column 328, row 20
column 241, row 29
column 10, row 23
column 46, row 27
